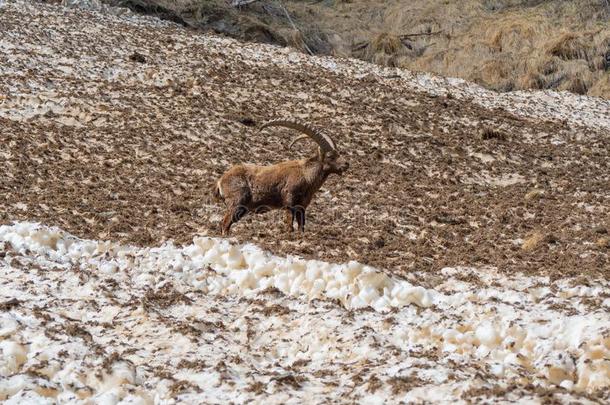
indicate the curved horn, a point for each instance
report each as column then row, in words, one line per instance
column 298, row 138
column 324, row 141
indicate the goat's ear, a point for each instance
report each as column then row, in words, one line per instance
column 321, row 154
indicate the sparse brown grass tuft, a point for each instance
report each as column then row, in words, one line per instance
column 534, row 194
column 568, row 46
column 496, row 74
column 532, row 242
column 295, row 39
column 386, row 43
column 601, row 88
column 536, row 239
column 603, row 243
column 385, row 49
column 488, row 133
column 531, row 80
column 513, row 33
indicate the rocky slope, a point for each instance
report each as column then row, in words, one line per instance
column 146, row 116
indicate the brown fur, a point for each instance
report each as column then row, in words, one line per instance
column 216, row 192
column 287, row 185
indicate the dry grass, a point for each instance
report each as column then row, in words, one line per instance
column 534, row 194
column 501, row 44
column 537, row 239
column 601, row 87
column 386, row 49
column 533, row 241
column 568, row 46
column 488, row 133
column 603, row 243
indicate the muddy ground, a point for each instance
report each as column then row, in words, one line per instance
column 117, row 132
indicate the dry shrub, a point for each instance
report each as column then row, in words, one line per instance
column 386, row 43
column 339, row 46
column 537, row 239
column 577, row 85
column 488, row 133
column 601, row 87
column 568, row 46
column 500, row 44
column 295, row 39
column 603, row 243
column 529, row 45
column 541, row 73
column 567, row 64
column 534, row 194
column 548, row 66
column 511, row 34
column 257, row 32
column 496, row 74
column 598, row 62
column 386, row 49
column 577, row 77
column 531, row 80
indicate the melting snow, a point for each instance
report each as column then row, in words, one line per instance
column 519, row 329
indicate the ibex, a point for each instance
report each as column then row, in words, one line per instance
column 287, row 185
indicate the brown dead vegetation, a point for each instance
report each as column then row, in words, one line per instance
column 163, row 297
column 10, row 304
column 182, row 386
column 603, row 242
column 502, row 44
column 537, row 239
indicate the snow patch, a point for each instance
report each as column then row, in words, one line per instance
column 511, row 325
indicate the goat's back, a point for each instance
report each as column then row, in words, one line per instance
column 255, row 186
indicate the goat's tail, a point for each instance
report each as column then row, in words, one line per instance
column 216, row 191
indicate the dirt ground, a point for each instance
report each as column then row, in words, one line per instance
column 114, row 129
column 125, row 154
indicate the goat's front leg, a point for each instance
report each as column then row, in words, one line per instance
column 232, row 215
column 289, row 219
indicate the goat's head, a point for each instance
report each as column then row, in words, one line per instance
column 328, row 155
column 333, row 162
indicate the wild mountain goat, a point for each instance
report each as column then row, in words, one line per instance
column 287, row 185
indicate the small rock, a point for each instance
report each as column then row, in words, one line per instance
column 137, row 57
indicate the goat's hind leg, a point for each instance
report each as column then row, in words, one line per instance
column 299, row 213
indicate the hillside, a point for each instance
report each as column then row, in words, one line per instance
column 464, row 257
column 425, row 182
column 500, row 44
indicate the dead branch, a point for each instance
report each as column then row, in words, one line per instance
column 404, row 37
column 421, row 34
column 239, row 3
column 293, row 25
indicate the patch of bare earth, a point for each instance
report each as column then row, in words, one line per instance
column 105, row 144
